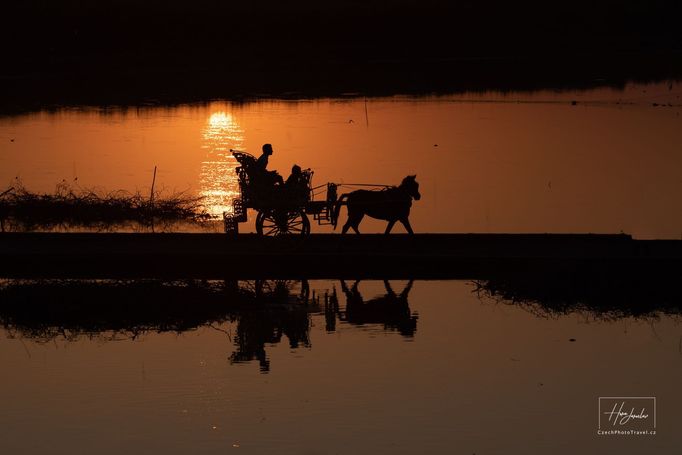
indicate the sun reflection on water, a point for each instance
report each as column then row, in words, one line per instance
column 219, row 184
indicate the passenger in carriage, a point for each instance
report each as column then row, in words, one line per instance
column 296, row 185
column 296, row 178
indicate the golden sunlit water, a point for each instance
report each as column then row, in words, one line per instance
column 218, row 180
column 601, row 161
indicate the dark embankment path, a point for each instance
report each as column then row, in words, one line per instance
column 423, row 256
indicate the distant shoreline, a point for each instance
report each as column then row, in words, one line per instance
column 131, row 53
column 100, row 86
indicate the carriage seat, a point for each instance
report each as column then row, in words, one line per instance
column 246, row 160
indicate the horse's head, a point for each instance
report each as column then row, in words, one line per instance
column 410, row 185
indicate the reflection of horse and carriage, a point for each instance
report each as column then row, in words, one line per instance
column 284, row 207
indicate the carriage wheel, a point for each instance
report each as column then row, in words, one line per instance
column 282, row 222
column 282, row 289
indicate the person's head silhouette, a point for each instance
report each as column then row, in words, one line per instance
column 267, row 149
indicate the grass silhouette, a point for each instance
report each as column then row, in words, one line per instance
column 88, row 209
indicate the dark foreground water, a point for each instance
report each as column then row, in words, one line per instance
column 427, row 367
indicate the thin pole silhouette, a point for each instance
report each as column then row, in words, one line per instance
column 151, row 198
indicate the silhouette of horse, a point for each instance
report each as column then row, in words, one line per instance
column 391, row 204
column 392, row 310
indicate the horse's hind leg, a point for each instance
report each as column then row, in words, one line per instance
column 406, row 223
column 356, row 222
column 349, row 222
column 354, row 219
column 389, row 227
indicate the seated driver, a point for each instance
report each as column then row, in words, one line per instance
column 272, row 177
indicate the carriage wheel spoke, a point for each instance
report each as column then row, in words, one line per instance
column 276, row 223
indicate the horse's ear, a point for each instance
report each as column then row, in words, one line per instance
column 413, row 177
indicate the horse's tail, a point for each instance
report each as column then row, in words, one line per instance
column 342, row 200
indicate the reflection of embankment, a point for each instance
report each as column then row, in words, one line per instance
column 604, row 295
column 263, row 311
column 253, row 314
column 47, row 309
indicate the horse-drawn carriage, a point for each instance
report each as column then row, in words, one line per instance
column 281, row 209
column 284, row 208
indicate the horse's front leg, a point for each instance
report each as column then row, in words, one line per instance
column 390, row 226
column 406, row 223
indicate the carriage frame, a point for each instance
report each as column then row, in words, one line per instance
column 280, row 210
